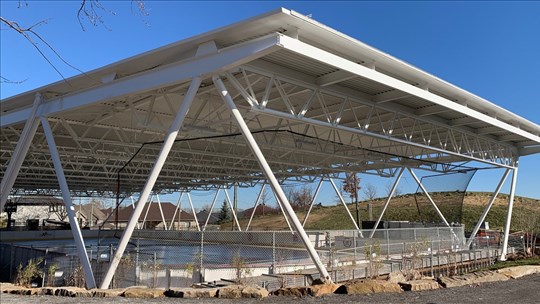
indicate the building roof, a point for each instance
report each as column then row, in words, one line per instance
column 154, row 214
column 317, row 101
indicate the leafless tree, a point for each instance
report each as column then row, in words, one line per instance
column 388, row 189
column 300, row 198
column 89, row 10
column 370, row 192
column 351, row 185
column 528, row 221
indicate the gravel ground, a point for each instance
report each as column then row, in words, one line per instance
column 523, row 290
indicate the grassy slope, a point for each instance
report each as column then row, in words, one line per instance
column 401, row 208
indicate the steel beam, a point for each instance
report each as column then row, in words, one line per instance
column 346, row 208
column 488, row 207
column 429, row 197
column 392, row 191
column 75, row 229
column 509, row 215
column 19, row 154
column 271, row 178
column 156, row 169
column 313, row 201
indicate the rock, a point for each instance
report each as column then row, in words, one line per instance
column 471, row 279
column 192, row 293
column 396, row 277
column 73, row 292
column 47, row 291
column 9, row 288
column 25, row 291
column 292, row 291
column 254, row 292
column 230, row 292
column 322, row 289
column 368, row 286
column 519, row 271
column 107, row 293
column 419, row 285
column 143, row 293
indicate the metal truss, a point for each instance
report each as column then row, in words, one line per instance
column 352, row 117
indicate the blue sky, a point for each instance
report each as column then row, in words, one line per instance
column 488, row 48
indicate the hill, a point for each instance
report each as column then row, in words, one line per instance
column 404, row 208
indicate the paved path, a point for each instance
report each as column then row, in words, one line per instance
column 523, row 290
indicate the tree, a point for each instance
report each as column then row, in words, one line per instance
column 370, row 192
column 300, row 198
column 351, row 185
column 90, row 11
column 224, row 213
column 388, row 189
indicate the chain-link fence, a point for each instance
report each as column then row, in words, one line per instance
column 272, row 259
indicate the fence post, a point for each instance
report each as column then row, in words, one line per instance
column 273, row 252
column 137, row 270
column 387, row 243
column 201, row 257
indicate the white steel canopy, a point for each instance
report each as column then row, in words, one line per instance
column 317, row 101
column 275, row 97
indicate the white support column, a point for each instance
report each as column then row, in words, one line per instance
column 392, row 191
column 313, row 201
column 259, row 196
column 19, row 154
column 75, row 229
column 147, row 210
column 154, row 173
column 211, row 208
column 509, row 214
column 133, row 207
column 178, row 206
column 250, row 140
column 429, row 197
column 161, row 212
column 228, row 199
column 346, row 208
column 193, row 211
column 486, row 210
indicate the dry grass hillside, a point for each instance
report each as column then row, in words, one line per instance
column 403, row 208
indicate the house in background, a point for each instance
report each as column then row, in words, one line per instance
column 203, row 215
column 33, row 212
column 154, row 218
column 90, row 216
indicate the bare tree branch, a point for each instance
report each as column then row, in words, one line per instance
column 5, row 80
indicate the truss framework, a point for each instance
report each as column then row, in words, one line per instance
column 266, row 108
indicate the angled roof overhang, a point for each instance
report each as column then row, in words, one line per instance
column 317, row 101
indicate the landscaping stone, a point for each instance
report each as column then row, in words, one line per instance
column 25, row 291
column 292, row 291
column 107, row 293
column 192, row 293
column 143, row 293
column 322, row 289
column 519, row 271
column 47, row 291
column 8, row 287
column 471, row 279
column 419, row 285
column 254, row 292
column 73, row 292
column 230, row 292
column 368, row 286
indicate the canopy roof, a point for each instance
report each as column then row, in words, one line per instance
column 317, row 101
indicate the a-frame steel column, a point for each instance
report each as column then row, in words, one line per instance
column 75, row 229
column 154, row 173
column 19, row 154
column 313, row 201
column 250, row 140
column 429, row 197
column 394, row 187
column 486, row 210
column 509, row 215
